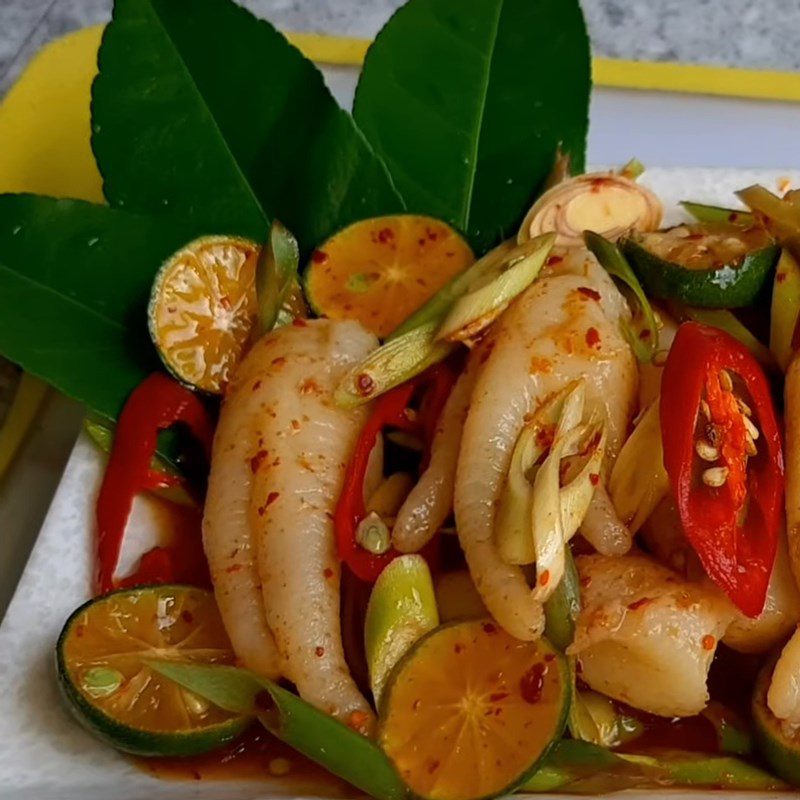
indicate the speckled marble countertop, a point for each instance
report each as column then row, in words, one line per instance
column 745, row 33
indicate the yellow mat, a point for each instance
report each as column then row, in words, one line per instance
column 44, row 148
column 610, row 72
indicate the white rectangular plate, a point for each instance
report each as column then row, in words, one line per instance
column 44, row 754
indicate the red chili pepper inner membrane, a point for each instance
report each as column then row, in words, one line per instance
column 391, row 410
column 724, row 457
column 156, row 404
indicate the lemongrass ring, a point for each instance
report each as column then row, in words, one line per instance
column 607, row 203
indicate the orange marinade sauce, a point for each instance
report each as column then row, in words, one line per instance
column 254, row 756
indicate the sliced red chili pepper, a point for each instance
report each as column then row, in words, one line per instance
column 390, row 410
column 728, row 486
column 157, row 403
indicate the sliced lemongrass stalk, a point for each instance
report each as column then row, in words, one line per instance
column 513, row 521
column 437, row 308
column 391, row 364
column 571, row 412
column 548, row 526
column 633, row 170
column 606, row 202
column 785, row 311
column 320, row 737
column 593, row 718
column 573, row 763
column 513, row 532
column 643, row 342
column 783, row 217
column 402, row 608
column 639, row 481
column 577, row 494
column 717, row 214
column 475, row 311
column 483, row 271
column 275, row 273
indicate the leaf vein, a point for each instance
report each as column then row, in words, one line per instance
column 483, row 99
column 64, row 298
column 193, row 83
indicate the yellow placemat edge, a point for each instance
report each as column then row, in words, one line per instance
column 611, row 72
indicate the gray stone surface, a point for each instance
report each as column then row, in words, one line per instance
column 748, row 33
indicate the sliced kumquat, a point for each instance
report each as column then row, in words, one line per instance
column 102, row 658
column 470, row 711
column 379, row 271
column 203, row 310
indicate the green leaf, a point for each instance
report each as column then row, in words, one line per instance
column 74, row 284
column 205, row 111
column 468, row 108
column 316, row 735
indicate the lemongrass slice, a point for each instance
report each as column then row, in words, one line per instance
column 608, row 203
column 577, row 494
column 594, row 718
column 549, row 515
column 513, row 521
column 392, row 364
column 633, row 169
column 782, row 215
column 513, row 534
column 639, row 481
column 482, row 272
column 537, row 515
column 475, row 311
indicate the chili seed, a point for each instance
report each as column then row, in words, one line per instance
column 751, row 428
column 706, row 450
column 715, row 477
column 744, row 408
column 725, row 380
column 705, row 410
column 750, row 447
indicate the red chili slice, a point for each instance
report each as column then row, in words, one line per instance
column 714, row 397
column 389, row 411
